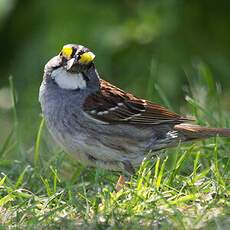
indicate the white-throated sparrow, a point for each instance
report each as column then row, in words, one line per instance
column 100, row 124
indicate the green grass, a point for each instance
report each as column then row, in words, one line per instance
column 183, row 188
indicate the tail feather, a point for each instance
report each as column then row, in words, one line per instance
column 196, row 132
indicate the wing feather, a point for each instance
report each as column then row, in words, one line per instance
column 112, row 105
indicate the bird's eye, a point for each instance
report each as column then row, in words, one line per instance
column 67, row 52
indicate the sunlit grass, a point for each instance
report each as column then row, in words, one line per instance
column 183, row 188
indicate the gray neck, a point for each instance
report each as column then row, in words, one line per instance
column 93, row 81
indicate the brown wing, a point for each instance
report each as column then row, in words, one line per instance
column 112, row 105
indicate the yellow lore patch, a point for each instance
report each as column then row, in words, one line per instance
column 86, row 58
column 67, row 51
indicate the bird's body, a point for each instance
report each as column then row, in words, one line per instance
column 102, row 125
column 91, row 145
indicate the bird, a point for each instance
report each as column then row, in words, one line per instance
column 102, row 125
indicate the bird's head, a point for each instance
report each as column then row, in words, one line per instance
column 70, row 68
column 76, row 58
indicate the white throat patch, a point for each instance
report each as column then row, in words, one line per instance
column 67, row 80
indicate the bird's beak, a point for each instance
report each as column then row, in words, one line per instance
column 82, row 59
column 71, row 63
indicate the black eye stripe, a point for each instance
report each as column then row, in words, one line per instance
column 81, row 52
column 74, row 50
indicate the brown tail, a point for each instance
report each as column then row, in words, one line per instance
column 196, row 132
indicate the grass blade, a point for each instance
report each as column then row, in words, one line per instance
column 37, row 144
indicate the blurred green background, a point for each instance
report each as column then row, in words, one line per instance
column 137, row 43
